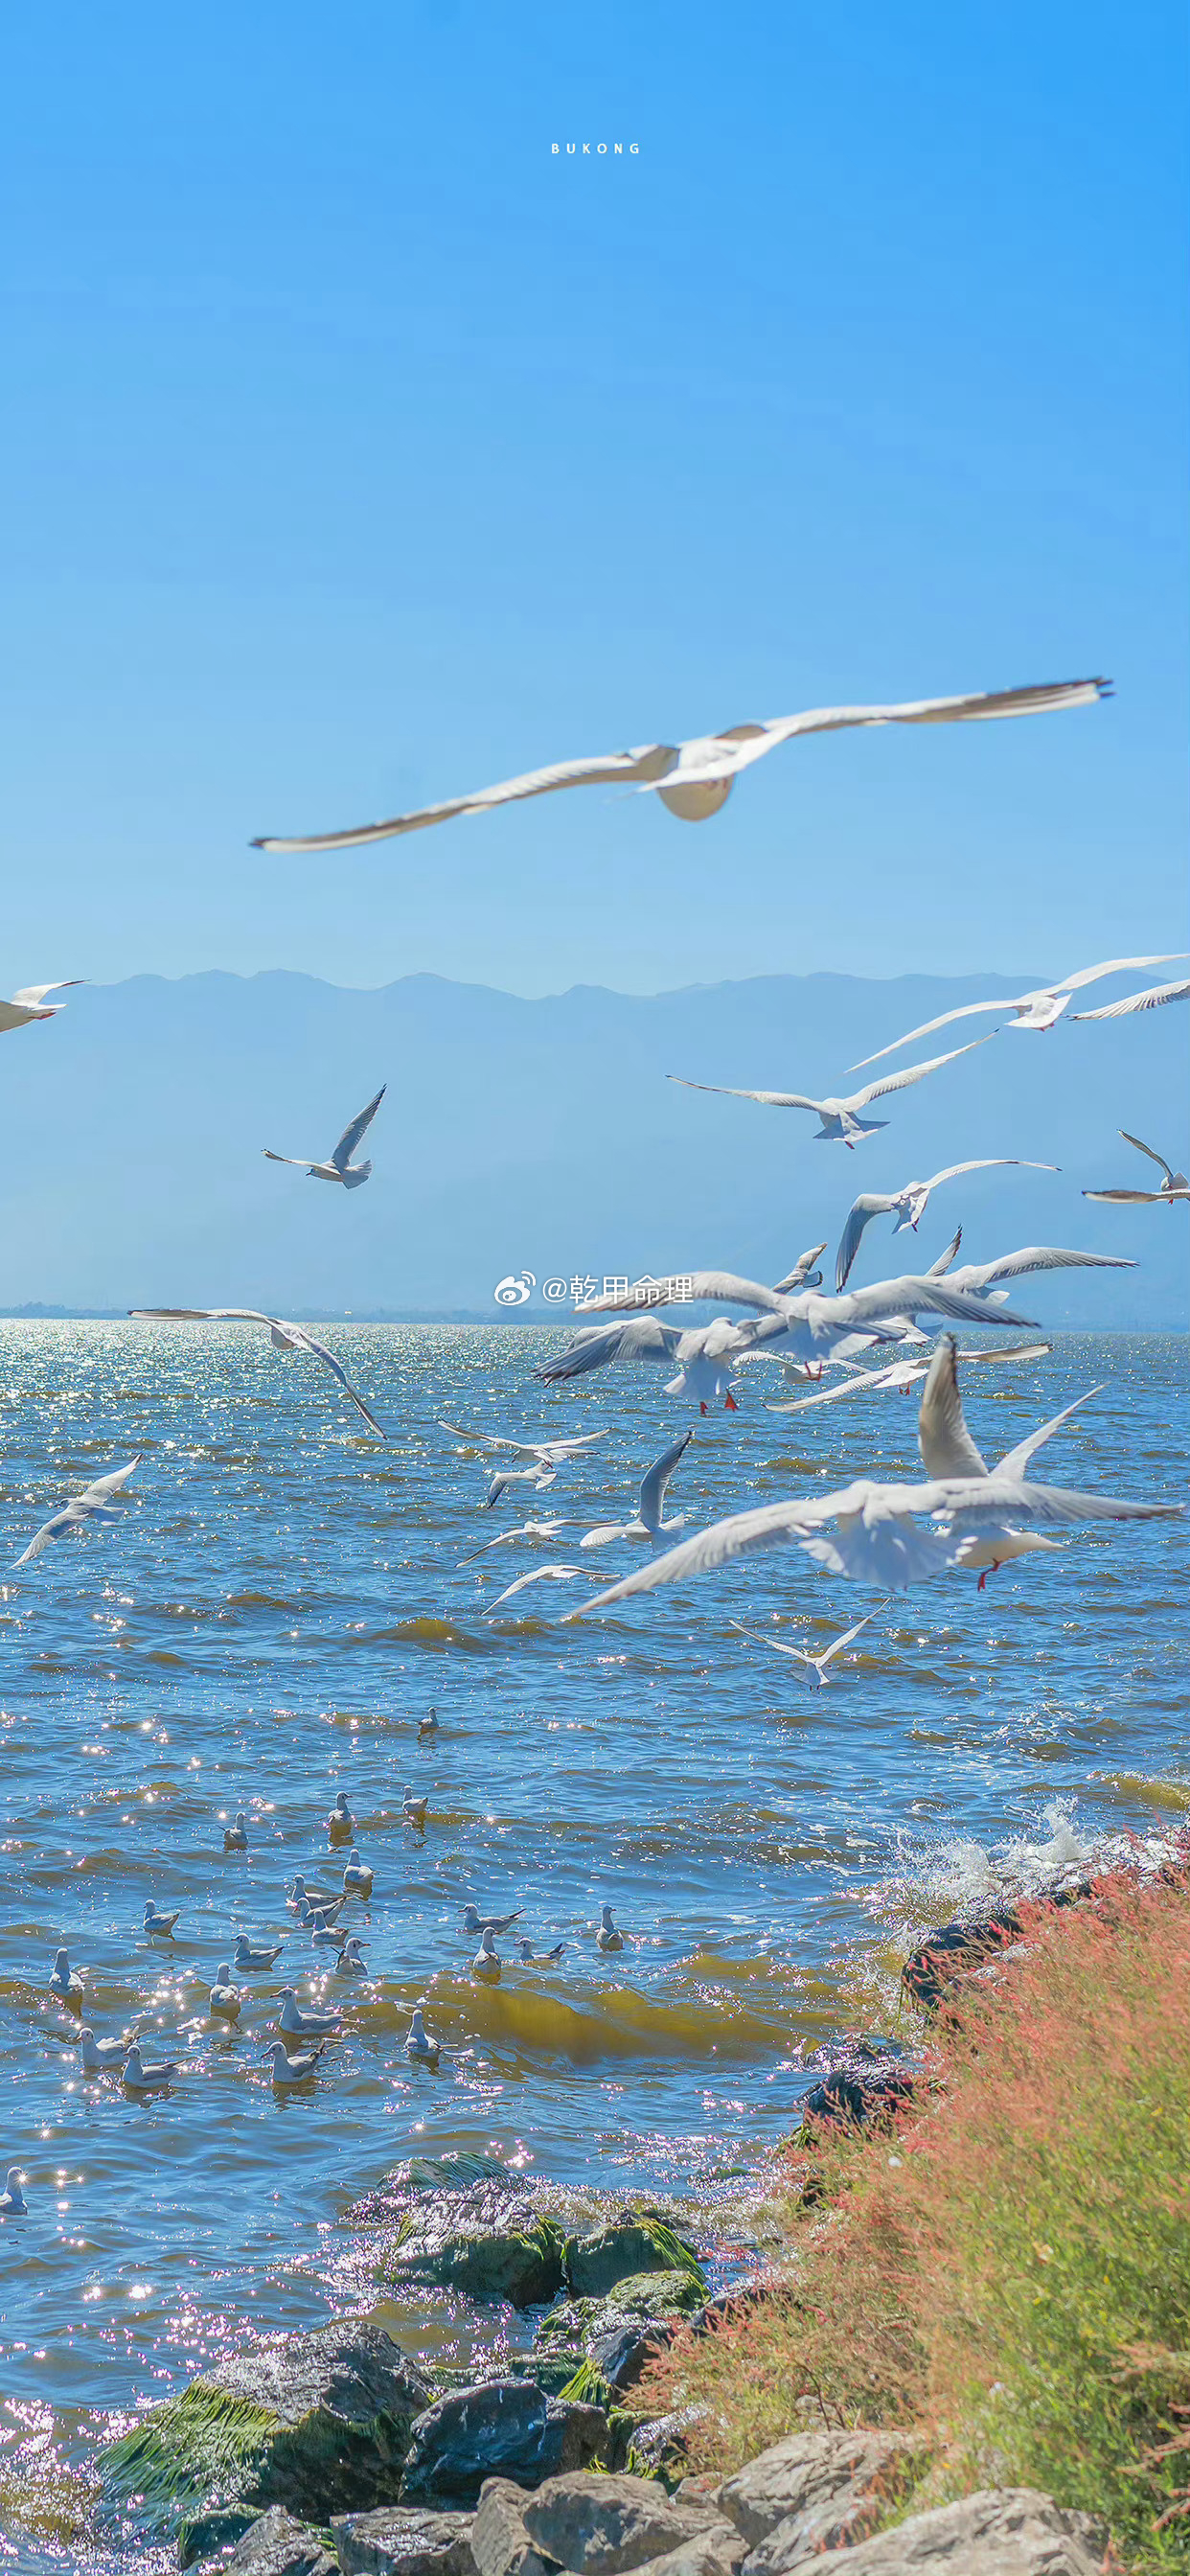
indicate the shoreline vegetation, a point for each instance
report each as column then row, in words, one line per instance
column 998, row 2262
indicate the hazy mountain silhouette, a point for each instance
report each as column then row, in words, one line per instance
column 543, row 1135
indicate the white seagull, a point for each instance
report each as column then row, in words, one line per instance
column 413, row 1809
column 909, row 1204
column 841, row 1123
column 543, row 1958
column 295, row 2069
column 357, row 1876
column 695, row 778
column 64, row 1980
column 225, row 2000
column 255, row 1956
column 340, row 1821
column 351, row 1961
column 1037, row 1011
column 159, row 1926
column 985, row 1278
column 473, row 1922
column 607, row 1937
column 340, row 1166
column 13, row 2203
column 901, row 1376
column 486, row 1962
column 1152, row 1000
column 807, row 1327
column 30, row 1003
column 419, row 2042
column 93, row 1504
column 1175, row 1185
column 648, row 1522
column 100, row 2056
column 298, row 1894
column 283, row 1336
column 305, row 2025
column 524, row 1529
column 235, row 1837
column 704, row 1356
column 801, row 1654
column 541, row 1574
column 147, row 2075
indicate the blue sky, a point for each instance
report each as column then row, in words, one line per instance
column 361, row 451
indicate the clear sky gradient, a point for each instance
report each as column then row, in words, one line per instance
column 361, row 451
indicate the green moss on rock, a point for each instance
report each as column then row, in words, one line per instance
column 519, row 2264
column 596, row 2264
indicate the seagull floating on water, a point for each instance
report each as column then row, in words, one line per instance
column 30, row 1003
column 544, row 1958
column 13, row 2203
column 909, row 1204
column 351, row 1961
column 413, row 1809
column 801, row 1654
column 357, row 1877
column 340, row 1166
column 224, row 1999
column 607, row 1937
column 649, row 1522
column 283, row 1336
column 300, row 1894
column 305, row 2025
column 419, row 2042
column 93, row 1504
column 235, row 1837
column 65, row 1980
column 840, row 1120
column 157, row 1925
column 473, row 1922
column 487, row 1962
column 428, row 1725
column 340, row 1823
column 1175, row 1185
column 293, row 2069
column 101, row 2056
column 695, row 778
column 1039, row 1011
column 255, row 1957
column 147, row 2075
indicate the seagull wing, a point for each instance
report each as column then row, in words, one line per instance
column 912, row 1295
column 1150, row 1001
column 329, row 1361
column 745, row 743
column 93, row 1497
column 301, row 1162
column 909, row 1073
column 652, row 1491
column 849, row 1636
column 648, row 760
column 770, row 1099
column 980, row 1275
column 1134, row 1198
column 869, row 1204
column 690, row 1287
column 893, row 1376
column 1005, row 1498
column 32, row 994
column 355, row 1129
column 540, row 1574
column 946, row 1445
column 944, row 1259
column 1153, row 1155
column 799, row 1276
column 741, row 1534
column 964, row 1011
column 1116, row 966
column 598, row 1345
column 1015, row 1461
column 202, row 1315
column 990, row 1163
column 796, row 1654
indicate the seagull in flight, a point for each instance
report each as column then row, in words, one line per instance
column 340, row 1167
column 909, row 1204
column 283, row 1336
column 30, row 1003
column 801, row 1654
column 1039, row 1010
column 841, row 1123
column 541, row 1574
column 1151, row 1000
column 695, row 778
column 1174, row 1186
column 546, row 1456
column 807, row 1327
column 93, row 1504
column 524, row 1529
column 901, row 1376
column 649, row 1522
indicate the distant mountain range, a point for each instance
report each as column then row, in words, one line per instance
column 541, row 1136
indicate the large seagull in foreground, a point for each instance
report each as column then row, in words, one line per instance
column 695, row 778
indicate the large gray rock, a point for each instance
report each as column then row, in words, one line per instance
column 1006, row 2531
column 276, row 2545
column 447, row 2242
column 812, row 2491
column 604, row 2525
column 319, row 2423
column 499, row 2540
column 400, row 2541
column 504, row 2429
column 634, row 2242
column 716, row 2552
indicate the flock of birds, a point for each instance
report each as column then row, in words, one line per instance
column 962, row 1515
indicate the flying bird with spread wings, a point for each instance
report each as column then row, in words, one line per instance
column 1042, row 1009
column 340, row 1166
column 841, row 1123
column 909, row 1204
column 1175, row 1185
column 283, row 1336
column 30, row 1003
column 695, row 778
column 93, row 1504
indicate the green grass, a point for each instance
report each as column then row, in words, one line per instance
column 1006, row 2271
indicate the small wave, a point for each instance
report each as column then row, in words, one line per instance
column 616, row 2022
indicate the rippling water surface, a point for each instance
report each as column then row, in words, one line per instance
column 279, row 1605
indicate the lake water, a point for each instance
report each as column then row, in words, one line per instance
column 281, row 1603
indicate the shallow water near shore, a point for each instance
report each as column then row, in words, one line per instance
column 278, row 1606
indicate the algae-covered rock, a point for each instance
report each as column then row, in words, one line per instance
column 398, row 2540
column 276, row 2545
column 517, row 2257
column 587, row 2330
column 633, row 2243
column 505, row 2428
column 316, row 2422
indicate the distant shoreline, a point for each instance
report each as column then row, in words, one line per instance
column 474, row 1316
